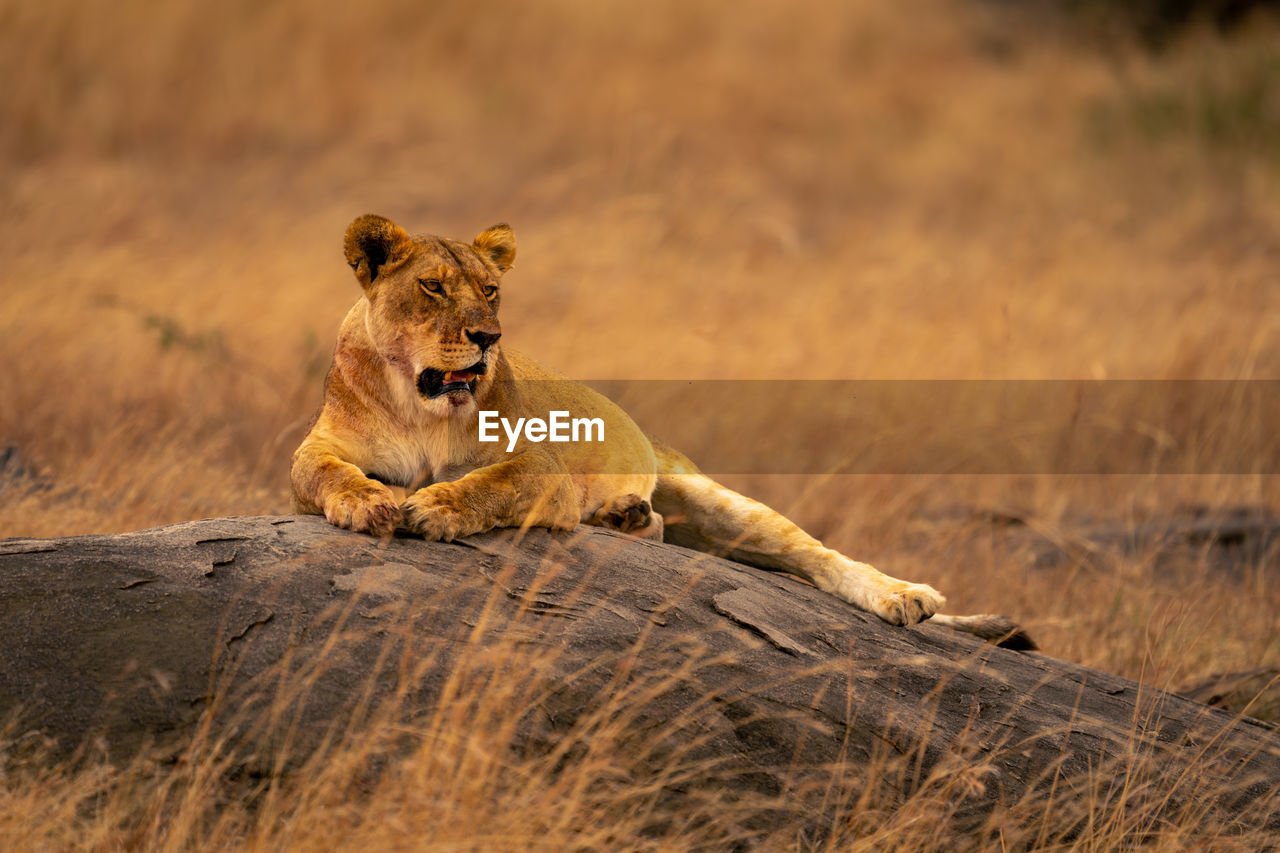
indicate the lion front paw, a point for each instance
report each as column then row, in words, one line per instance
column 435, row 513
column 903, row 603
column 370, row 509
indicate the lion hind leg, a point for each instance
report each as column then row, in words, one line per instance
column 704, row 515
column 631, row 514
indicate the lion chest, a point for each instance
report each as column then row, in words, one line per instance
column 432, row 454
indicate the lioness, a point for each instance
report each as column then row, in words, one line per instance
column 419, row 357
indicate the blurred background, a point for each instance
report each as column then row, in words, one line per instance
column 938, row 189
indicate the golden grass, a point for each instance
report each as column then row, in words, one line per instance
column 816, row 189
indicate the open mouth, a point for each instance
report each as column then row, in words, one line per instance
column 432, row 383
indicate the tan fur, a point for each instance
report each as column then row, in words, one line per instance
column 377, row 421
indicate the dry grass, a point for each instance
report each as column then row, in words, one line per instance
column 816, row 189
column 474, row 767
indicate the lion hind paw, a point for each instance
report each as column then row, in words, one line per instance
column 629, row 513
column 906, row 603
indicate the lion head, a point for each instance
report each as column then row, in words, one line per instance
column 433, row 305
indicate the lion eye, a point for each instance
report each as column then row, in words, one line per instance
column 489, row 291
column 431, row 285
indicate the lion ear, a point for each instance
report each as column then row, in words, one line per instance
column 375, row 244
column 497, row 244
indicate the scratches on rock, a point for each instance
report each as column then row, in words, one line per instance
column 747, row 610
column 544, row 603
column 132, row 582
column 545, row 600
column 383, row 581
column 221, row 551
column 26, row 546
column 239, row 628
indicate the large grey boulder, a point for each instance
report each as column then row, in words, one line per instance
column 277, row 635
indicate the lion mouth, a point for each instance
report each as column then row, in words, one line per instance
column 433, row 383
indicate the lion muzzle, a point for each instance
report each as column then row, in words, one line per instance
column 433, row 382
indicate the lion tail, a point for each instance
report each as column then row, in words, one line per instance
column 1000, row 630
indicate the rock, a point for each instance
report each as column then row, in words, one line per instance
column 1255, row 692
column 272, row 636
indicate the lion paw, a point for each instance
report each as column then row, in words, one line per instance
column 371, row 509
column 434, row 514
column 624, row 513
column 629, row 514
column 906, row 603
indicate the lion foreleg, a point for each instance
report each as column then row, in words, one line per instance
column 325, row 484
column 526, row 491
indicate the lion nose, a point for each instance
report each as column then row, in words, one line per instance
column 483, row 339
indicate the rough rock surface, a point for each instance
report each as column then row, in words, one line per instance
column 135, row 640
